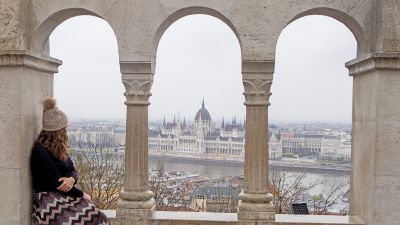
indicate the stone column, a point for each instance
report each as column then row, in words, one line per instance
column 136, row 200
column 24, row 81
column 375, row 172
column 255, row 202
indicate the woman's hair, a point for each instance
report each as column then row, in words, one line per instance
column 56, row 142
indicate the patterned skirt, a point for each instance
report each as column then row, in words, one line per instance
column 52, row 208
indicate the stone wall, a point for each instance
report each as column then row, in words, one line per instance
column 24, row 81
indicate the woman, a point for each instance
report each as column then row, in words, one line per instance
column 56, row 200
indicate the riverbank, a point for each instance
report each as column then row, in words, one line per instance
column 298, row 165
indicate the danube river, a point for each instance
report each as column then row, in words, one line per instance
column 213, row 170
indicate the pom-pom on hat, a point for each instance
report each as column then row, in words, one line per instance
column 53, row 119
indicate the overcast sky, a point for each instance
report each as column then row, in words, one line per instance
column 199, row 57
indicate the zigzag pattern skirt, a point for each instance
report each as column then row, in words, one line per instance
column 52, row 208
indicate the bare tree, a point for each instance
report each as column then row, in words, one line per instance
column 101, row 173
column 158, row 181
column 168, row 194
column 322, row 202
column 288, row 188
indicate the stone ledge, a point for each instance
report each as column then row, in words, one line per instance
column 136, row 67
column 178, row 218
column 258, row 67
column 15, row 58
column 196, row 216
column 315, row 219
column 374, row 61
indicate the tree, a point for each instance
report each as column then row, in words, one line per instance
column 101, row 173
column 168, row 194
column 288, row 188
column 329, row 197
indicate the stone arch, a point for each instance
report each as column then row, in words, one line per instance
column 187, row 12
column 42, row 33
column 350, row 22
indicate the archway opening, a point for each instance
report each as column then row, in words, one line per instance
column 311, row 113
column 90, row 75
column 196, row 115
column 89, row 90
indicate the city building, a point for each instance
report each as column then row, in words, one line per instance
column 93, row 136
column 214, row 198
column 119, row 137
column 345, row 151
column 301, row 143
column 204, row 140
column 275, row 145
column 336, row 149
column 330, row 146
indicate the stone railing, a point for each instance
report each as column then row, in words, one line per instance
column 203, row 218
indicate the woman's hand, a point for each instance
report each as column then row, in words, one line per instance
column 67, row 184
column 87, row 197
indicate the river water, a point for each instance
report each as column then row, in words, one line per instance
column 326, row 180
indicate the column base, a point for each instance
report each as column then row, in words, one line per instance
column 255, row 207
column 129, row 221
column 256, row 211
column 269, row 216
column 143, row 208
column 136, row 213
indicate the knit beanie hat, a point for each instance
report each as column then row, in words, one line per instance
column 53, row 119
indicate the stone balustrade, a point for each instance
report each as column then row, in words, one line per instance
column 203, row 218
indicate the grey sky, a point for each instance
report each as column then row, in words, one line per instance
column 199, row 56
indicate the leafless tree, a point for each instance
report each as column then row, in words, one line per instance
column 288, row 188
column 101, row 173
column 329, row 197
column 168, row 194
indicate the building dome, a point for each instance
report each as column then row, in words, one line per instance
column 203, row 114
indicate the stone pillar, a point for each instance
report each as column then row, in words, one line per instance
column 24, row 81
column 375, row 172
column 255, row 202
column 136, row 200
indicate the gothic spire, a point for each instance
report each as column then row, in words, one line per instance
column 202, row 104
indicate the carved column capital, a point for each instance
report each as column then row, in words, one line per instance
column 137, row 90
column 257, row 91
column 137, row 78
column 257, row 81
